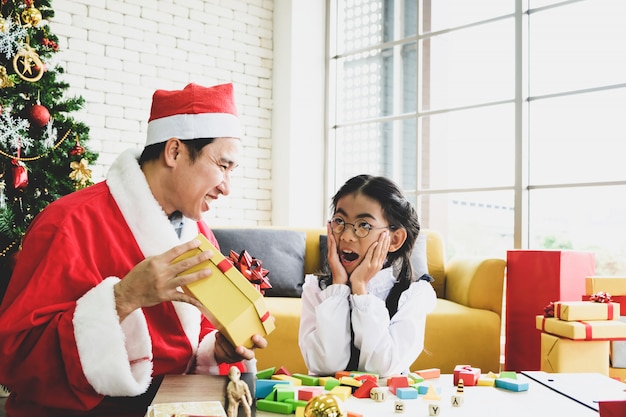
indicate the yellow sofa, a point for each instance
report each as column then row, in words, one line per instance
column 464, row 328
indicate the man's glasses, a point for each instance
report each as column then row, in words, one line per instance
column 361, row 229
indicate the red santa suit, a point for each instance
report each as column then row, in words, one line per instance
column 64, row 351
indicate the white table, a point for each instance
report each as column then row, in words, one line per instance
column 539, row 401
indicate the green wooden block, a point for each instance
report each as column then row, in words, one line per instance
column 266, row 373
column 508, row 374
column 415, row 378
column 331, row 383
column 297, row 403
column 274, row 407
column 284, row 393
column 307, row 380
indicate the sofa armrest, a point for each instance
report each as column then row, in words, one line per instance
column 476, row 283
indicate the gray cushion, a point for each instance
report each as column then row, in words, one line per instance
column 280, row 251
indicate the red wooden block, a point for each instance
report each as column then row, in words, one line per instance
column 399, row 381
column 353, row 414
column 282, row 371
column 468, row 374
column 306, row 393
column 364, row 390
column 339, row 374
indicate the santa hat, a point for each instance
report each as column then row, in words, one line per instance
column 192, row 113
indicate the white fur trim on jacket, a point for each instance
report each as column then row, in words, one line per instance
column 149, row 224
column 111, row 365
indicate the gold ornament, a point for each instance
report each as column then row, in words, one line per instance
column 31, row 16
column 80, row 174
column 325, row 405
column 5, row 81
column 24, row 61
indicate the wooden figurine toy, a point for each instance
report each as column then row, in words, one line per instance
column 238, row 394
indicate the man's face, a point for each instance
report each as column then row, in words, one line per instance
column 196, row 184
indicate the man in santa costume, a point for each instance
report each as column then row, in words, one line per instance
column 94, row 316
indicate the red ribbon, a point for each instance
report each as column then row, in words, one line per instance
column 601, row 297
column 252, row 269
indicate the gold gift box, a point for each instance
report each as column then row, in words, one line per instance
column 565, row 355
column 586, row 310
column 579, row 330
column 231, row 302
column 612, row 285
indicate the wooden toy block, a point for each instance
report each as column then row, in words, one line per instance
column 511, row 384
column 416, row 378
column 266, row 373
column 283, row 371
column 364, row 375
column 434, row 409
column 264, row 387
column 431, row 394
column 354, row 414
column 350, row 381
column 456, row 400
column 296, row 403
column 486, row 382
column 364, row 390
column 230, row 301
column 281, row 377
column 406, row 393
column 284, row 393
column 508, row 374
column 468, row 374
column 307, row 393
column 398, row 406
column 399, row 381
column 274, row 407
column 300, row 411
column 491, row 374
column 331, row 383
column 431, row 373
column 324, row 379
column 307, row 380
column 378, row 394
column 342, row 391
column 340, row 374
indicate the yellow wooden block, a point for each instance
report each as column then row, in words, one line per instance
column 342, row 391
column 486, row 382
column 324, row 379
column 300, row 411
column 348, row 380
column 231, row 302
column 282, row 377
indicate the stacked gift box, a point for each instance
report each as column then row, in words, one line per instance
column 615, row 287
column 576, row 335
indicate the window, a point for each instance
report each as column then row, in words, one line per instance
column 501, row 119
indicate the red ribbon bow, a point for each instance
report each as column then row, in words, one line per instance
column 600, row 297
column 252, row 269
column 549, row 310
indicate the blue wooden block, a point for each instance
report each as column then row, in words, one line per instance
column 422, row 389
column 511, row 384
column 264, row 387
column 405, row 393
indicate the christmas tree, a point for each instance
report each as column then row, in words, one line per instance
column 42, row 153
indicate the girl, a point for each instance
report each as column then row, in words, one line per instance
column 368, row 314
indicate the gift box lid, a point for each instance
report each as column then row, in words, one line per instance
column 231, row 302
column 586, row 310
column 582, row 330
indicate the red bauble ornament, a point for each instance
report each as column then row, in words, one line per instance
column 20, row 175
column 39, row 115
column 77, row 150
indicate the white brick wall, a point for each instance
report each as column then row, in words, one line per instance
column 117, row 52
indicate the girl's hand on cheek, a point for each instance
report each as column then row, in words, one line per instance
column 340, row 276
column 371, row 264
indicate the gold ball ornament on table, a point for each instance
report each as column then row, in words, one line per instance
column 325, row 405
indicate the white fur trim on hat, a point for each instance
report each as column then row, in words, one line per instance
column 193, row 126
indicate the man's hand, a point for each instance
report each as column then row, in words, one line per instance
column 155, row 280
column 225, row 352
